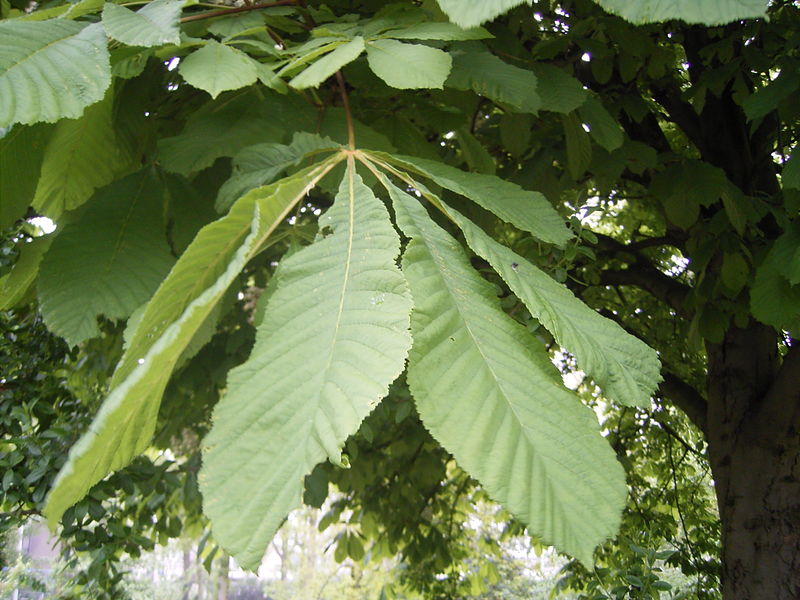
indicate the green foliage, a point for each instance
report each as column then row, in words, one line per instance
column 622, row 365
column 524, row 209
column 487, row 75
column 217, row 67
column 107, row 263
column 46, row 401
column 407, row 66
column 709, row 12
column 561, row 185
column 775, row 295
column 469, row 13
column 179, row 308
column 50, row 70
column 70, row 171
column 155, row 24
column 21, row 152
column 457, row 314
column 334, row 337
column 318, row 72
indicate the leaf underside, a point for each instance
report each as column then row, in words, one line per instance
column 708, row 12
column 626, row 369
column 124, row 425
column 527, row 210
column 489, row 394
column 471, row 13
column 334, row 337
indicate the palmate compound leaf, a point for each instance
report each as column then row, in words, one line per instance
column 707, row 12
column 155, row 24
column 50, row 70
column 334, row 337
column 125, row 422
column 471, row 13
column 487, row 391
column 108, row 262
column 626, row 369
column 529, row 211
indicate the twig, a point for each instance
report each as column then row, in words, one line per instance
column 234, row 10
column 351, row 133
column 695, row 559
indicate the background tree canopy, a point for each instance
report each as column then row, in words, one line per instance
column 300, row 244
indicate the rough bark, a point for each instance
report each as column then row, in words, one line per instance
column 752, row 428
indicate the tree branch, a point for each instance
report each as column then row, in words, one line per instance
column 236, row 9
column 674, row 434
column 673, row 388
column 686, row 398
column 665, row 240
column 351, row 132
column 642, row 274
column 662, row 287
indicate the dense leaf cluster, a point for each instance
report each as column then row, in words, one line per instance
column 310, row 218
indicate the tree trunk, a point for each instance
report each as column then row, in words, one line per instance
column 754, row 447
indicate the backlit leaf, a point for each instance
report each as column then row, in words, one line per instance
column 486, row 390
column 125, row 423
column 471, row 13
column 334, row 336
column 708, row 12
column 624, row 367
